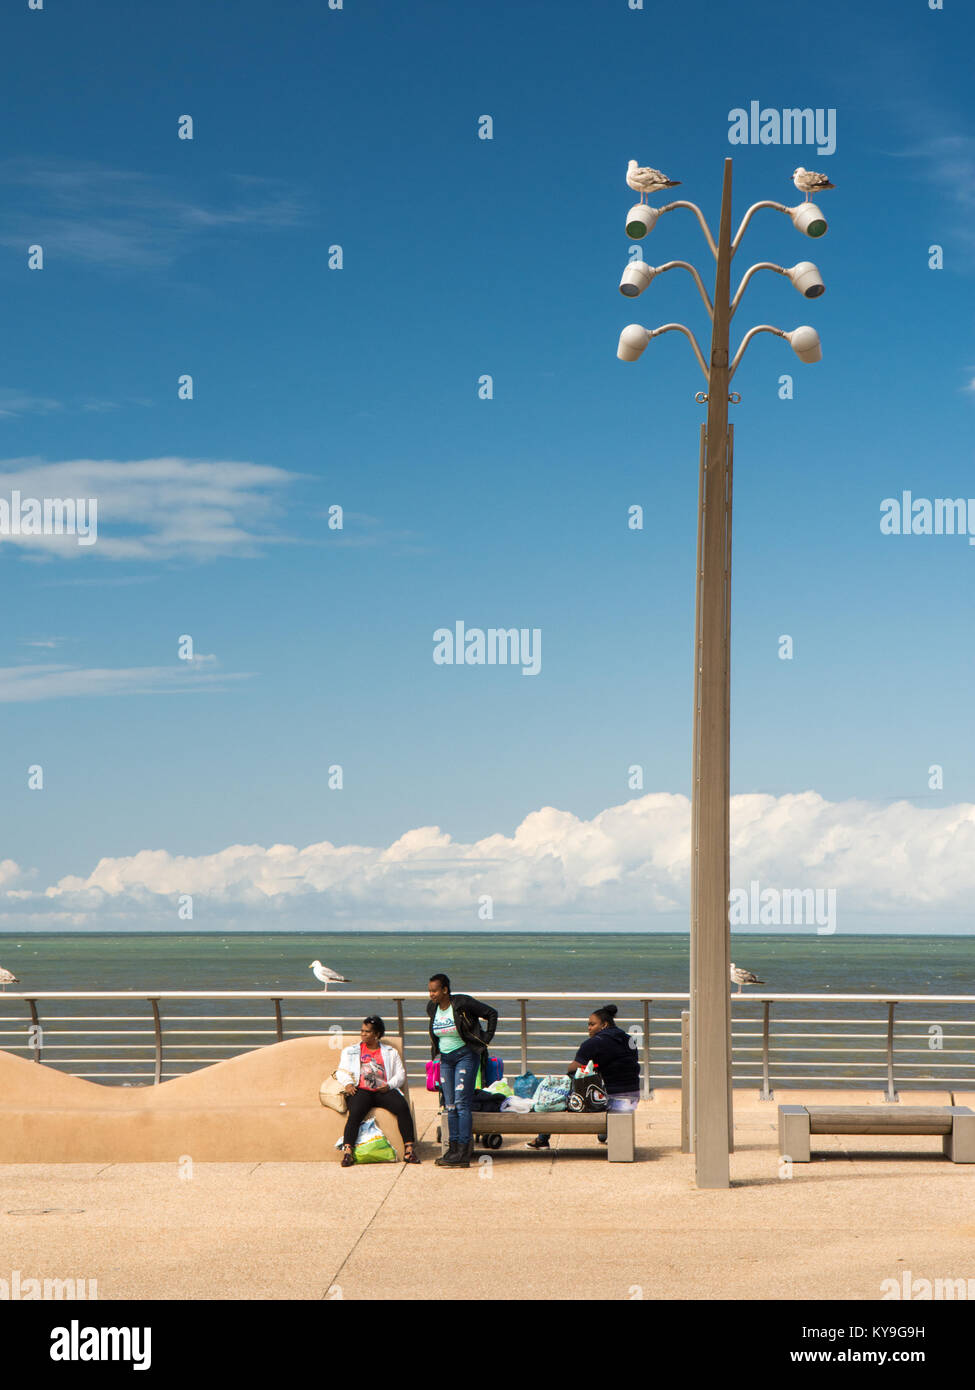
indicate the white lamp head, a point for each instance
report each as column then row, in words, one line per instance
column 640, row 219
column 633, row 340
column 636, row 278
column 807, row 279
column 805, row 343
column 807, row 218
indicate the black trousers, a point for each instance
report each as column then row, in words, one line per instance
column 363, row 1101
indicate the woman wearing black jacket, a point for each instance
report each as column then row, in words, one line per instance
column 456, row 1038
column 614, row 1054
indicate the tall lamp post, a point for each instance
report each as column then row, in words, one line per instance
column 712, row 1124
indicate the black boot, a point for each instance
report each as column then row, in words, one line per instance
column 448, row 1156
column 462, row 1158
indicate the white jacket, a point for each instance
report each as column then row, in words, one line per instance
column 347, row 1070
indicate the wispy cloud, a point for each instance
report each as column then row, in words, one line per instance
column 13, row 403
column 121, row 218
column 156, row 509
column 28, row 684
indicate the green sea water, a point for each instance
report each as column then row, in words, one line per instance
column 600, row 963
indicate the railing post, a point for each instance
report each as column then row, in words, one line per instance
column 278, row 1020
column 686, row 1143
column 157, row 1025
column 767, row 1092
column 524, row 1035
column 891, row 1093
column 401, row 1024
column 647, row 1079
column 36, row 1028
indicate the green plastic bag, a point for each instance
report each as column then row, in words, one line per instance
column 377, row 1150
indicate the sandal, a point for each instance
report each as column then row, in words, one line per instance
column 348, row 1158
column 410, row 1154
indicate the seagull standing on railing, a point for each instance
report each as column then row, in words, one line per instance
column 327, row 977
column 7, row 978
column 741, row 977
column 643, row 180
column 807, row 182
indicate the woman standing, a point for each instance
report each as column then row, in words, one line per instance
column 373, row 1073
column 614, row 1054
column 456, row 1038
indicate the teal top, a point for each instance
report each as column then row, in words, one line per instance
column 445, row 1030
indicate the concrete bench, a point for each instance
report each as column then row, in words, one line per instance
column 955, row 1123
column 618, row 1127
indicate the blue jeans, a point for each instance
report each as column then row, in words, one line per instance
column 458, row 1073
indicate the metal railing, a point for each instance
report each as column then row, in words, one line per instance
column 140, row 1038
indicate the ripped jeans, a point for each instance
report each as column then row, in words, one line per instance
column 458, row 1073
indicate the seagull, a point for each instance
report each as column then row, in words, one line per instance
column 807, row 182
column 644, row 180
column 327, row 977
column 741, row 977
column 6, row 978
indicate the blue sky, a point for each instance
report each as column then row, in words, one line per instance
column 358, row 387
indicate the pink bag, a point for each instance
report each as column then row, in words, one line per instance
column 433, row 1075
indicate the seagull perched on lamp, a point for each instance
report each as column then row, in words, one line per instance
column 741, row 977
column 807, row 182
column 7, row 978
column 643, row 180
column 327, row 977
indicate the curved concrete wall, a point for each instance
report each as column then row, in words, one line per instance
column 262, row 1106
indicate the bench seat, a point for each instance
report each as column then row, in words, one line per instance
column 955, row 1124
column 618, row 1126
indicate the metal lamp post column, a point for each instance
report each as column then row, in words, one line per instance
column 710, row 945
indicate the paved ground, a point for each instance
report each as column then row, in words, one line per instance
column 836, row 1229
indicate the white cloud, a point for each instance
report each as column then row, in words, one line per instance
column 155, row 509
column 22, row 684
column 626, row 866
column 125, row 220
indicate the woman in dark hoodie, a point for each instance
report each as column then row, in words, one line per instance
column 456, row 1038
column 614, row 1054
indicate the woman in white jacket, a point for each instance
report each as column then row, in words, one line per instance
column 373, row 1073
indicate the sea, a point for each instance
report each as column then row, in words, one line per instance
column 598, row 963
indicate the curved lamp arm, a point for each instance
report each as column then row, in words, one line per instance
column 668, row 207
column 761, row 328
column 760, row 265
column 779, row 207
column 679, row 328
column 685, row 265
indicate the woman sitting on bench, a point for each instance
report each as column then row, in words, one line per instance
column 373, row 1072
column 613, row 1053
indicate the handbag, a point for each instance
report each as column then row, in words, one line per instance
column 433, row 1075
column 332, row 1093
column 588, row 1095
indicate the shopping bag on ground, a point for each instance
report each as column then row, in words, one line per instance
column 553, row 1093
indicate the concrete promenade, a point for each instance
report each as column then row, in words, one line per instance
column 836, row 1229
